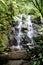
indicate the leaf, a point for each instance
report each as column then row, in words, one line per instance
column 40, row 55
column 2, row 4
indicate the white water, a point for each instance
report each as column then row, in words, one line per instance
column 18, row 37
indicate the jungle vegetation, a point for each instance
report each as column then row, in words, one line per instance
column 9, row 9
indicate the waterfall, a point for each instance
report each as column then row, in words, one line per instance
column 19, row 34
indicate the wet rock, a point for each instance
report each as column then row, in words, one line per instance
column 24, row 30
column 26, row 39
column 14, row 42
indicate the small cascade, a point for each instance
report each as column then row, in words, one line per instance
column 19, row 34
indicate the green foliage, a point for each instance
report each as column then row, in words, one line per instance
column 37, row 7
column 39, row 39
column 2, row 42
column 32, row 7
column 36, row 54
column 8, row 9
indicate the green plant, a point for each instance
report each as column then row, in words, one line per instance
column 8, row 10
column 36, row 54
column 37, row 7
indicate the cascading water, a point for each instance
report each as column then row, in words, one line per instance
column 18, row 37
column 18, row 33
